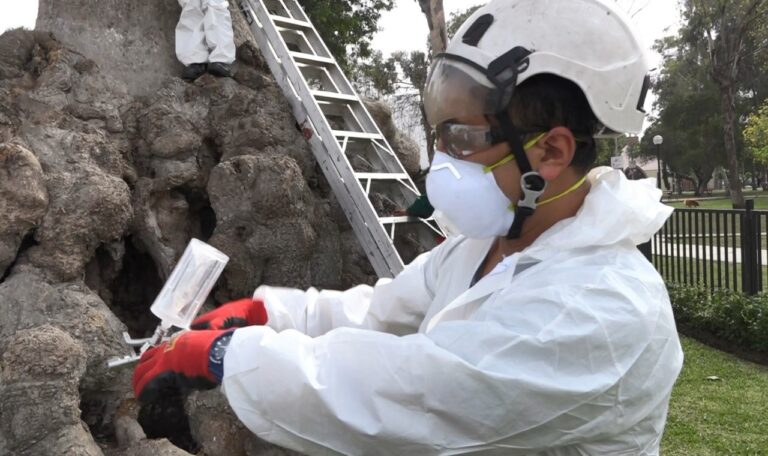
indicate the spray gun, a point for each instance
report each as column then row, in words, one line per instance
column 181, row 297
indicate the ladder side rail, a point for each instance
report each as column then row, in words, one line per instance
column 340, row 77
column 296, row 11
column 358, row 208
column 285, row 7
column 336, row 74
column 363, row 118
column 357, row 109
column 388, row 156
column 336, row 182
column 300, row 87
column 280, row 8
column 321, row 74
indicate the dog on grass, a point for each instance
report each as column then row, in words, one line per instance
column 691, row 203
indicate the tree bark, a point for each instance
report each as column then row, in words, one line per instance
column 430, row 134
column 438, row 35
column 132, row 41
column 728, row 105
column 438, row 41
column 666, row 172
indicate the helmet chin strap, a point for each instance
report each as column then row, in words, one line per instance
column 531, row 182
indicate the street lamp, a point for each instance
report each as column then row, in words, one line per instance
column 658, row 140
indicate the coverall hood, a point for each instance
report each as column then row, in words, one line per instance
column 616, row 211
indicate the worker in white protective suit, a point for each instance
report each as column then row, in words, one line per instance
column 204, row 38
column 540, row 330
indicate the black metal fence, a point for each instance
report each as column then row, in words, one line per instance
column 716, row 248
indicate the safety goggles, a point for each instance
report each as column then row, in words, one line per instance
column 460, row 140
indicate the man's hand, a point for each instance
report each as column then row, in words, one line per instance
column 237, row 314
column 180, row 364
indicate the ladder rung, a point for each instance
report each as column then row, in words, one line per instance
column 333, row 96
column 310, row 59
column 382, row 176
column 287, row 22
column 356, row 135
column 396, row 220
column 295, row 65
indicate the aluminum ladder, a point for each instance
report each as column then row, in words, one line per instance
column 362, row 169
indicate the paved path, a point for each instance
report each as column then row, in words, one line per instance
column 702, row 252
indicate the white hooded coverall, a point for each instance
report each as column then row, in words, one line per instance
column 567, row 348
column 204, row 32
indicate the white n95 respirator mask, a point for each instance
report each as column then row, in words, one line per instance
column 468, row 196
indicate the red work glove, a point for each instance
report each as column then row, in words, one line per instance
column 236, row 314
column 180, row 364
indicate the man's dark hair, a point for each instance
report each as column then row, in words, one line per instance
column 635, row 172
column 546, row 101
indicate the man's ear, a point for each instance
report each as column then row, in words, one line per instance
column 558, row 149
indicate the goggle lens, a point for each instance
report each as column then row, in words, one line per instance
column 461, row 141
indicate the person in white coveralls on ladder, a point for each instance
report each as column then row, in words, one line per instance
column 204, row 38
column 539, row 330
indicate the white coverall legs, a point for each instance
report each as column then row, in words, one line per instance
column 204, row 32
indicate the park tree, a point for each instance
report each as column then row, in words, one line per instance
column 613, row 147
column 687, row 114
column 347, row 27
column 458, row 18
column 405, row 73
column 734, row 33
column 376, row 77
column 756, row 134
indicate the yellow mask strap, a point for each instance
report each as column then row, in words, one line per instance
column 510, row 157
column 555, row 198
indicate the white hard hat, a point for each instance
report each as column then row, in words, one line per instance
column 506, row 42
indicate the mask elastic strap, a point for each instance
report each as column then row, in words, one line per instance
column 510, row 158
column 567, row 192
column 528, row 205
column 573, row 188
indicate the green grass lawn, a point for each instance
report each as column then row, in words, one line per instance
column 724, row 417
column 761, row 202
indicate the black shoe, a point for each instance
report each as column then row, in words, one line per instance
column 222, row 70
column 193, row 71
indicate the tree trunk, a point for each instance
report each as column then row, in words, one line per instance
column 764, row 179
column 676, row 184
column 703, row 177
column 701, row 187
column 755, row 178
column 132, row 41
column 430, row 134
column 666, row 172
column 438, row 41
column 438, row 35
column 728, row 105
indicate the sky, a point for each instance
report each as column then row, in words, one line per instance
column 17, row 13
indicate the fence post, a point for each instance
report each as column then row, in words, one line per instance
column 750, row 242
